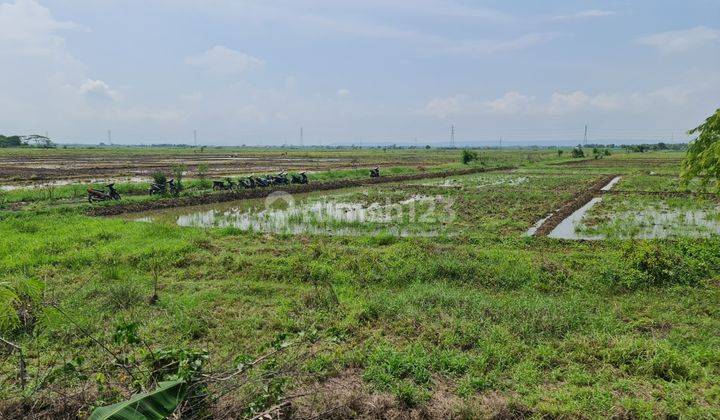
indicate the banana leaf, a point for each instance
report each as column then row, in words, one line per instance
column 157, row 404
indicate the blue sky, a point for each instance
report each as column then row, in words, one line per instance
column 371, row 71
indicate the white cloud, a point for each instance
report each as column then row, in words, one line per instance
column 511, row 102
column 680, row 41
column 445, row 107
column 585, row 14
column 27, row 27
column 98, row 90
column 560, row 104
column 343, row 93
column 223, row 60
column 563, row 103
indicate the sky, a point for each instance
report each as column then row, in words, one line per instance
column 357, row 72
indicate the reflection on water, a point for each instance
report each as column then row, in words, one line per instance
column 417, row 215
column 664, row 223
column 569, row 228
column 652, row 223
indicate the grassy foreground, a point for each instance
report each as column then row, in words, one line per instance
column 469, row 325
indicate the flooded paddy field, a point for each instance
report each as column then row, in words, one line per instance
column 345, row 212
column 417, row 294
column 643, row 217
column 483, row 203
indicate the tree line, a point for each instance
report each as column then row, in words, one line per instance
column 26, row 141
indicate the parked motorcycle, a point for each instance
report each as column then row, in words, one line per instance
column 248, row 183
column 225, row 185
column 263, row 182
column 102, row 195
column 158, row 188
column 280, row 179
column 174, row 187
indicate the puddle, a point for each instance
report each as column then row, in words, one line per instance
column 508, row 181
column 444, row 183
column 567, row 229
column 62, row 182
column 477, row 181
column 315, row 213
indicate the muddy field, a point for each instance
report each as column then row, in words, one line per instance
column 24, row 167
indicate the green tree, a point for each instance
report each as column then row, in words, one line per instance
column 178, row 171
column 703, row 155
column 202, row 173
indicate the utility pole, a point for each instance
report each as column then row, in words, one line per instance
column 195, row 136
column 452, row 136
column 302, row 139
column 501, row 142
column 110, row 137
column 585, row 138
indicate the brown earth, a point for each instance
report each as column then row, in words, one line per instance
column 35, row 168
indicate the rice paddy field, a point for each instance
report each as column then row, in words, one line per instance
column 512, row 287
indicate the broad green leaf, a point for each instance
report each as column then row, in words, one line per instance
column 157, row 404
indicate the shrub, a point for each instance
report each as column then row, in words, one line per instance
column 202, row 172
column 468, row 156
column 178, row 172
column 159, row 178
column 578, row 152
column 664, row 265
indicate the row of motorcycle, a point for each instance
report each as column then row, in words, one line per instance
column 251, row 182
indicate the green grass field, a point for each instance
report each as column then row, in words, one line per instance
column 477, row 321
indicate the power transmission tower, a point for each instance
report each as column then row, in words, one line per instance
column 501, row 142
column 110, row 137
column 302, row 139
column 195, row 136
column 585, row 137
column 452, row 136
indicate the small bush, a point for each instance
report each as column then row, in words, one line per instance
column 662, row 265
column 578, row 152
column 178, row 172
column 159, row 178
column 468, row 156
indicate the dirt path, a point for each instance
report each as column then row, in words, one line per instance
column 571, row 206
column 260, row 193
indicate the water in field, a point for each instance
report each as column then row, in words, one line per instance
column 344, row 213
column 62, row 182
column 660, row 223
column 569, row 227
